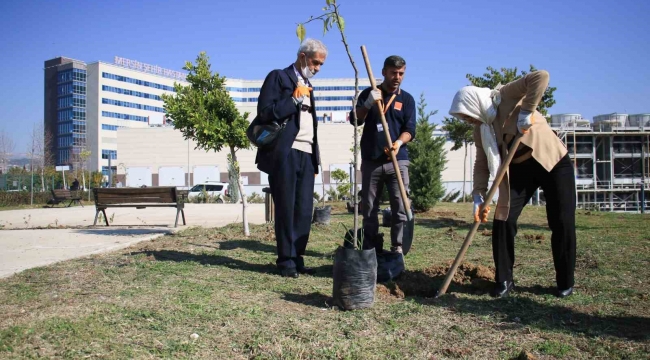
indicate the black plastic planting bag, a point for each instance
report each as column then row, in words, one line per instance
column 355, row 278
column 389, row 266
column 322, row 215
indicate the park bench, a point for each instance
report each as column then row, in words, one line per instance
column 63, row 195
column 139, row 198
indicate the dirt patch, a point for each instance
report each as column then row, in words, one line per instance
column 468, row 277
column 445, row 213
column 457, row 352
column 535, row 237
column 389, row 291
column 486, row 233
column 587, row 261
column 525, row 355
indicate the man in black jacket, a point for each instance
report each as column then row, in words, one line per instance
column 292, row 162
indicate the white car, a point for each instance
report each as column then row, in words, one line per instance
column 218, row 190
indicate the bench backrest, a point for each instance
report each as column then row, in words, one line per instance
column 61, row 193
column 149, row 195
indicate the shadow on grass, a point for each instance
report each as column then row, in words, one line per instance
column 256, row 245
column 203, row 259
column 314, row 299
column 525, row 312
column 324, row 271
column 549, row 315
column 443, row 223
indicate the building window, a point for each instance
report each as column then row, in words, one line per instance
column 125, row 116
column 110, row 127
column 131, row 92
column 136, row 81
column 109, row 154
column 63, row 156
column 333, row 108
column 105, row 170
column 132, row 105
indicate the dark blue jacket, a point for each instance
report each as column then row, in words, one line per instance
column 400, row 118
column 275, row 103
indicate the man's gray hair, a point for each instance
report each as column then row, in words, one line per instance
column 312, row 47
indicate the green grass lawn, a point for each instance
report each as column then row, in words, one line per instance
column 147, row 300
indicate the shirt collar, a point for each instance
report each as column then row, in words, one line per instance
column 396, row 92
column 299, row 75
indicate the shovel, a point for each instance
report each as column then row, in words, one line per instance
column 472, row 233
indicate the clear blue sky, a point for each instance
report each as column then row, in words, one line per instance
column 597, row 52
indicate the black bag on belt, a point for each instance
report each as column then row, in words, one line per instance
column 264, row 135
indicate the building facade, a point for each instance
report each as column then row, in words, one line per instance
column 86, row 103
column 611, row 156
column 65, row 116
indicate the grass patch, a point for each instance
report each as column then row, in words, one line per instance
column 146, row 301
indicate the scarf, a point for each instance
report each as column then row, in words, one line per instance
column 481, row 104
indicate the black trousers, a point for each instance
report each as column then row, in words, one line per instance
column 559, row 190
column 292, row 188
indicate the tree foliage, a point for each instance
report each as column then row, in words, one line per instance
column 494, row 77
column 204, row 111
column 459, row 131
column 342, row 182
column 428, row 159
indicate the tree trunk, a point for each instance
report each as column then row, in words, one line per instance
column 322, row 178
column 43, row 178
column 464, row 171
column 240, row 186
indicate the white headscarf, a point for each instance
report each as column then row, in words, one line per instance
column 481, row 104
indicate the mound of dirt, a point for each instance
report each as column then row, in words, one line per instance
column 425, row 283
column 445, row 213
column 538, row 237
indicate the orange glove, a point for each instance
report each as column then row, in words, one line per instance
column 480, row 213
column 300, row 92
column 483, row 217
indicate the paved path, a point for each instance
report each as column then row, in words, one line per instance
column 24, row 247
column 206, row 215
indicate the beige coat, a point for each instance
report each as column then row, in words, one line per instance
column 547, row 149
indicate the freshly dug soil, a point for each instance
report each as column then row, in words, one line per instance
column 424, row 283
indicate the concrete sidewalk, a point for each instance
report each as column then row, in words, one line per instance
column 24, row 247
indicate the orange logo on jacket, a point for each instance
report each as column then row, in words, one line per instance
column 398, row 106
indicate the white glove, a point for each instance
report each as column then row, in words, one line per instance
column 478, row 200
column 373, row 97
column 525, row 121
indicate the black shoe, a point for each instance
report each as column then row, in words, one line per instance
column 306, row 270
column 289, row 272
column 502, row 289
column 564, row 293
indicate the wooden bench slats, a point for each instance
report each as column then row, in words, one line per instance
column 61, row 195
column 160, row 196
column 117, row 199
column 143, row 205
